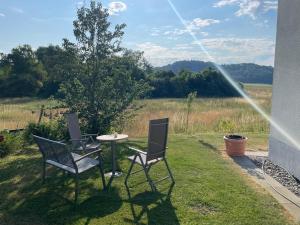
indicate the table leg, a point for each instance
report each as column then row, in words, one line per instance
column 113, row 151
column 113, row 161
column 114, row 173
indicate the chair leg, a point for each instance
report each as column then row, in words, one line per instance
column 169, row 171
column 129, row 172
column 102, row 174
column 146, row 170
column 44, row 172
column 76, row 188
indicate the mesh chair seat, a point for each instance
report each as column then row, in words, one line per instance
column 144, row 160
column 82, row 165
column 89, row 147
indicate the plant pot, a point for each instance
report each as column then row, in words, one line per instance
column 1, row 138
column 235, row 145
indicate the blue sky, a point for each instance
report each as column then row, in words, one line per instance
column 232, row 31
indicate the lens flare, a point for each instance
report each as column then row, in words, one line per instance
column 273, row 123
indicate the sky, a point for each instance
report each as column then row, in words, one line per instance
column 232, row 31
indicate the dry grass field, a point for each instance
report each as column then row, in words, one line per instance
column 208, row 115
column 224, row 115
column 16, row 113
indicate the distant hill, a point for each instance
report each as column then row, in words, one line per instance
column 243, row 72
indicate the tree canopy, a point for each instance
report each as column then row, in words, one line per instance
column 207, row 83
column 105, row 78
column 21, row 74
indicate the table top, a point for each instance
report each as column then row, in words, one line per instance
column 111, row 137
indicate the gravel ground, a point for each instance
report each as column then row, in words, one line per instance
column 279, row 174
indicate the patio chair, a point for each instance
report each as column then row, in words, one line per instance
column 156, row 152
column 80, row 143
column 58, row 154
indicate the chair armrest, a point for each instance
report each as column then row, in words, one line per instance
column 138, row 151
column 88, row 154
column 86, row 135
column 90, row 136
column 82, row 139
column 82, row 142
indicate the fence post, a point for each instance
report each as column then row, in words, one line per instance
column 41, row 114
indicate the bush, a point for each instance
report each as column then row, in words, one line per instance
column 11, row 143
column 225, row 125
column 54, row 130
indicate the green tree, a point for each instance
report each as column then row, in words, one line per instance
column 21, row 73
column 54, row 60
column 104, row 79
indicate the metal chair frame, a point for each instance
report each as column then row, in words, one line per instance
column 156, row 153
column 58, row 154
column 80, row 142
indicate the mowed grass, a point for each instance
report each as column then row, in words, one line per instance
column 208, row 190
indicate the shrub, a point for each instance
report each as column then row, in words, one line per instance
column 225, row 125
column 11, row 143
column 54, row 130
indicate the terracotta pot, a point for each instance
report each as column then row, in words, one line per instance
column 235, row 145
column 1, row 138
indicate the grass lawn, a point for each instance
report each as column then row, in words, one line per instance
column 208, row 190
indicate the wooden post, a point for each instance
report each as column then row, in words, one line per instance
column 41, row 114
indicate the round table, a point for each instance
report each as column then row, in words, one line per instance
column 112, row 138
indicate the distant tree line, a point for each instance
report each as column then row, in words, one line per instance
column 25, row 72
column 242, row 72
column 207, row 83
column 43, row 72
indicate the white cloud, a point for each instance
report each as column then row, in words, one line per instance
column 248, row 7
column 195, row 26
column 79, row 4
column 225, row 3
column 270, row 5
column 115, row 7
column 238, row 50
column 223, row 50
column 200, row 23
column 2, row 15
column 17, row 10
column 204, row 34
column 159, row 55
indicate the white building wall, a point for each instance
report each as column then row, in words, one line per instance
column 286, row 87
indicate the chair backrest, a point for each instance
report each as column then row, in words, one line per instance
column 157, row 139
column 55, row 151
column 73, row 126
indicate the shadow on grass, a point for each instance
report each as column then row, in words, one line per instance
column 155, row 206
column 208, row 145
column 122, row 152
column 23, row 197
